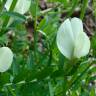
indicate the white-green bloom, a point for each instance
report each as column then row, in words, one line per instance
column 6, row 58
column 72, row 41
column 22, row 6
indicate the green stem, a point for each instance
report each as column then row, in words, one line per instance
column 83, row 10
column 51, row 90
column 75, row 2
column 35, row 32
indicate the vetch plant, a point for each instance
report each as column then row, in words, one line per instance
column 22, row 6
column 6, row 58
column 36, row 53
column 72, row 41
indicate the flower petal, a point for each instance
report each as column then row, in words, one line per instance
column 82, row 45
column 77, row 26
column 65, row 40
column 8, row 4
column 6, row 58
column 21, row 7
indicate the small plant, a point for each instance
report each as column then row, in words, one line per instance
column 53, row 45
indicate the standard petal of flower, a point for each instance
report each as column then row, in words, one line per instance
column 82, row 45
column 77, row 26
column 6, row 58
column 65, row 39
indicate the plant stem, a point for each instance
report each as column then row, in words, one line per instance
column 83, row 10
column 35, row 32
